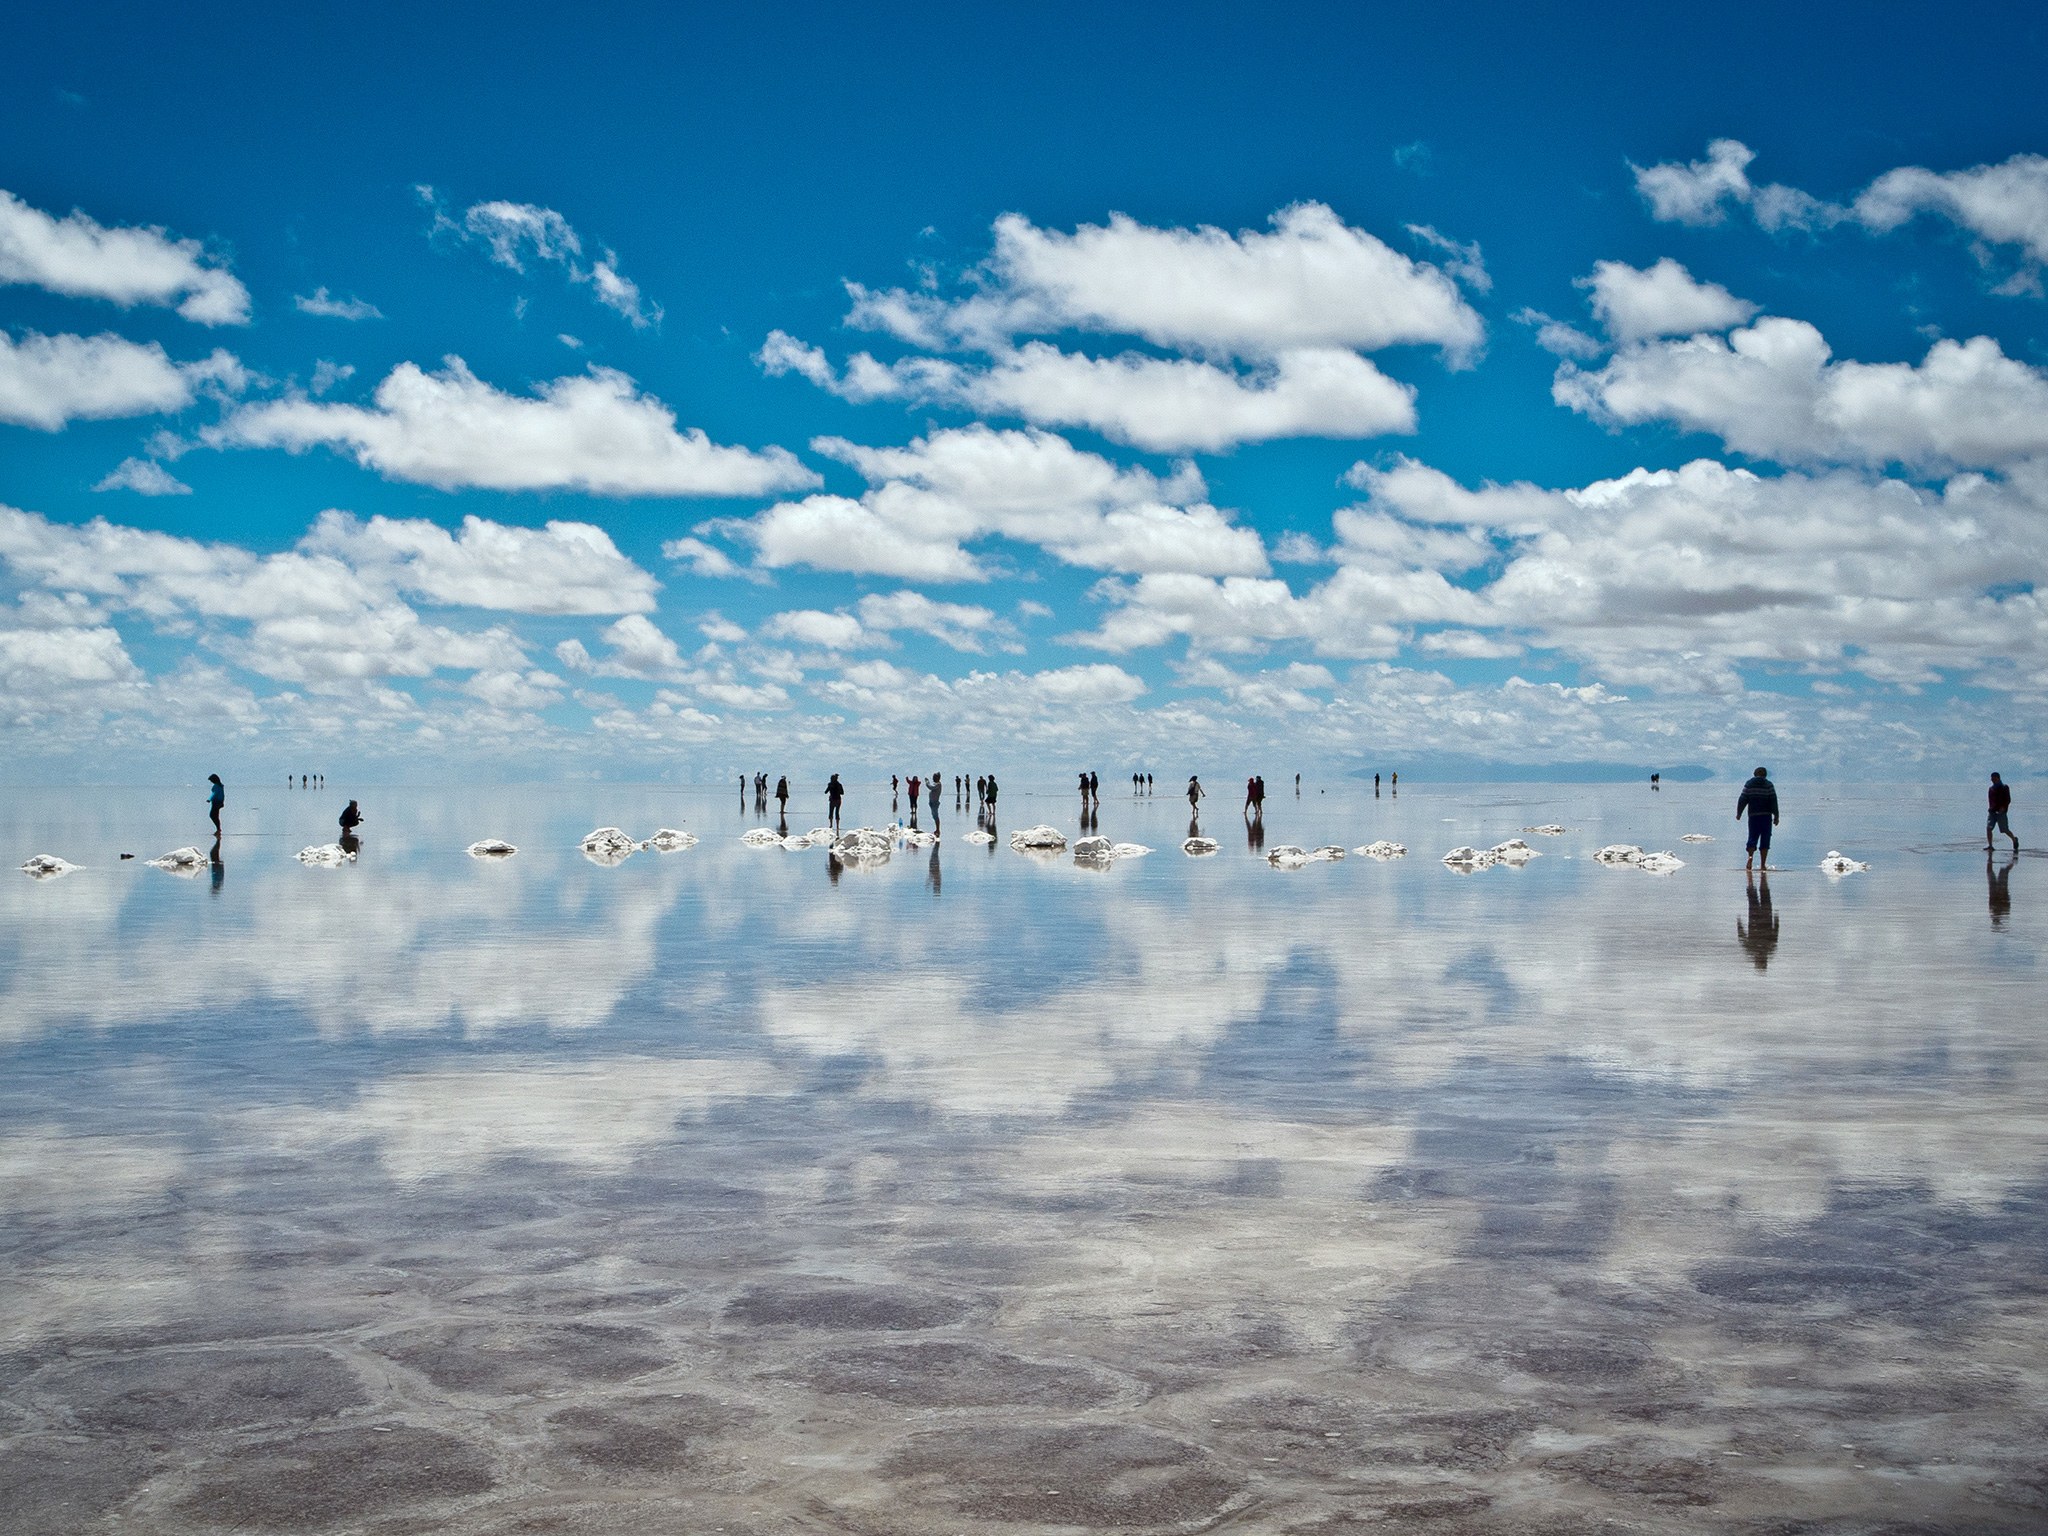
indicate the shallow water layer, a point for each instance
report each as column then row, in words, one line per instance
column 735, row 1189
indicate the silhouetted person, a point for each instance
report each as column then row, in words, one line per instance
column 1760, row 934
column 913, row 784
column 215, row 799
column 835, row 792
column 1998, row 804
column 351, row 817
column 782, row 797
column 2001, row 891
column 1084, row 795
column 1375, row 786
column 992, row 792
column 1759, row 803
column 1656, row 781
column 1297, row 786
column 1394, row 782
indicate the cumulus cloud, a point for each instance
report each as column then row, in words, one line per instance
column 1165, row 405
column 879, row 616
column 1311, row 282
column 928, row 500
column 1772, row 391
column 321, row 302
column 637, row 647
column 46, row 381
column 145, row 477
column 563, row 568
column 1661, row 300
column 127, row 264
column 520, row 232
column 1465, row 263
column 591, row 432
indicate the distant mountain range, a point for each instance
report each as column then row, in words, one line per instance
column 1451, row 769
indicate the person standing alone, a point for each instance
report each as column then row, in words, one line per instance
column 1998, row 804
column 1759, row 802
column 218, row 797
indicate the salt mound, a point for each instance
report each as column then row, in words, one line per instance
column 1199, row 847
column 491, row 848
column 1548, row 829
column 669, row 840
column 326, row 856
column 1038, row 837
column 1660, row 863
column 1617, row 854
column 1384, row 850
column 796, row 842
column 1838, row 864
column 1287, row 856
column 1620, row 853
column 863, row 845
column 1514, row 851
column 607, row 840
column 46, row 866
column 1329, row 853
column 819, row 836
column 1695, row 837
column 916, row 837
column 978, row 836
column 762, row 837
column 1471, row 858
column 1101, row 850
column 1129, row 851
column 180, row 861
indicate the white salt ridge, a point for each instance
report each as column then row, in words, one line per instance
column 669, row 840
column 978, row 836
column 490, row 848
column 326, row 856
column 1101, row 850
column 1838, row 864
column 46, row 866
column 1695, row 837
column 1469, row 859
column 762, row 837
column 1617, row 854
column 1287, row 856
column 1199, row 847
column 1514, row 851
column 916, row 837
column 1038, row 837
column 1384, row 850
column 607, row 840
column 796, row 842
column 863, row 845
column 180, row 861
column 1548, row 829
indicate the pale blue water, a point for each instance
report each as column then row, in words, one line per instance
column 982, row 1191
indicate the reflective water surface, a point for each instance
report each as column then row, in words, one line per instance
column 731, row 1189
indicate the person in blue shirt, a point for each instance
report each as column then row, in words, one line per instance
column 1759, row 802
column 215, row 800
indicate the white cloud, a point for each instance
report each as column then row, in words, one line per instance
column 57, row 658
column 1556, row 337
column 563, row 568
column 1661, row 300
column 46, row 381
column 1771, row 391
column 517, row 232
column 962, row 626
column 638, row 648
column 926, row 501
column 593, row 432
column 1164, row 405
column 2004, row 204
column 1695, row 193
column 814, row 627
column 1466, row 263
column 321, row 302
column 81, row 258
column 704, row 559
column 1311, row 282
column 145, row 477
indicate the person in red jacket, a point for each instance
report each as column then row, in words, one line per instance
column 1999, row 803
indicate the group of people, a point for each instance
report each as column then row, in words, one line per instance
column 307, row 781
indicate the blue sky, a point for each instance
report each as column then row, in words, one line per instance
column 1171, row 387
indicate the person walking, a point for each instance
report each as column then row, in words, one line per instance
column 1998, row 805
column 835, row 792
column 1194, row 793
column 1759, row 803
column 215, row 799
column 782, row 797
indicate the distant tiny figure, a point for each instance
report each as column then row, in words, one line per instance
column 1084, row 789
column 835, row 792
column 1194, row 793
column 1394, row 782
column 302, row 781
column 743, row 791
column 1998, row 804
column 1656, row 781
column 1297, row 785
column 1759, row 802
column 351, row 817
column 1255, row 797
column 782, row 795
column 1375, row 783
column 215, row 799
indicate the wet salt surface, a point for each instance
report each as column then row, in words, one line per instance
column 980, row 1190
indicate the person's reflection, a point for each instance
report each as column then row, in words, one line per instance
column 833, row 867
column 1254, row 834
column 782, row 822
column 1759, row 935
column 350, row 843
column 1995, row 876
column 1194, row 823
column 931, row 871
column 217, row 870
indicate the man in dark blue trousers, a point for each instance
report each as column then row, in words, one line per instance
column 1759, row 802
